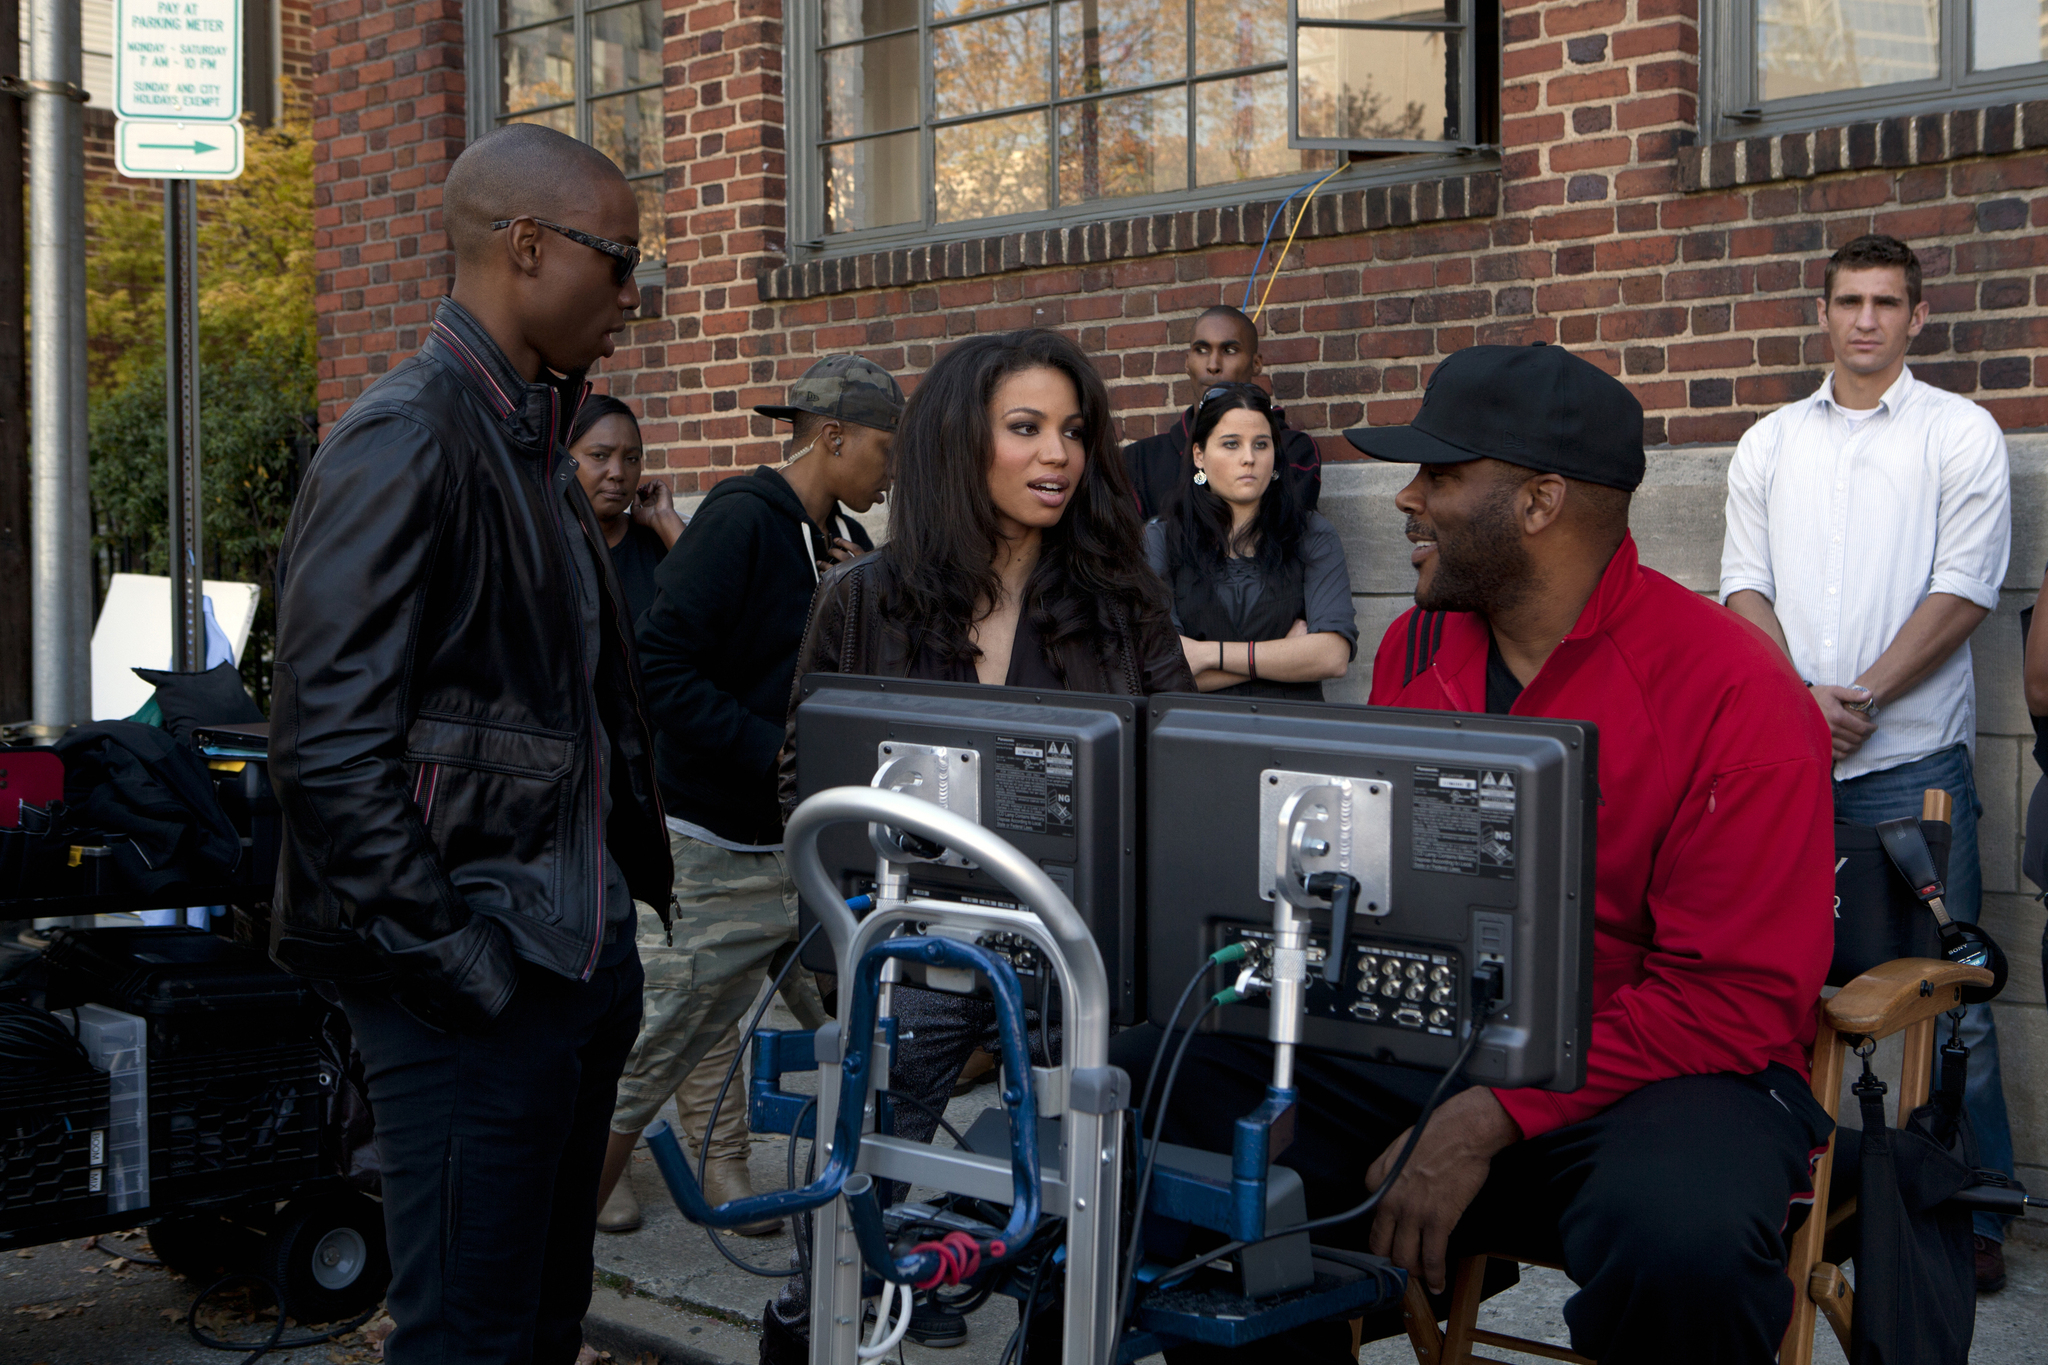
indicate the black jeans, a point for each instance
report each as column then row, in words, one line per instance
column 1672, row 1211
column 491, row 1146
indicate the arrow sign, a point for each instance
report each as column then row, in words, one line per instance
column 146, row 149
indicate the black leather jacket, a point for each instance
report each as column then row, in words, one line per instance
column 432, row 736
column 848, row 634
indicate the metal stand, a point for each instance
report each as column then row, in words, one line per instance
column 1079, row 1183
column 181, row 413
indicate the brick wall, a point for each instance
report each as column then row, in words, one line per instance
column 1690, row 271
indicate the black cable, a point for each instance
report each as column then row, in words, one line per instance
column 1022, row 1334
column 1372, row 1200
column 718, row 1102
column 915, row 1103
column 1144, row 1097
column 1148, row 1162
column 35, row 1047
column 278, row 1341
column 95, row 1244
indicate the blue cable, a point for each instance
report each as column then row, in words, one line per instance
column 1267, row 240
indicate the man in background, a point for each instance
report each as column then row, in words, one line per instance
column 1868, row 530
column 1223, row 350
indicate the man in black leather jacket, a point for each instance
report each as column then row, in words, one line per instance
column 469, row 798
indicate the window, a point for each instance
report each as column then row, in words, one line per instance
column 590, row 68
column 1384, row 75
column 917, row 115
column 1779, row 65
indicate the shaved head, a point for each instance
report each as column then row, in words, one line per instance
column 1235, row 317
column 521, row 168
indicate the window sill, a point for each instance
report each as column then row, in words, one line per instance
column 1440, row 198
column 1876, row 144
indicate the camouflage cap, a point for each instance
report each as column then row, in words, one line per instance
column 845, row 387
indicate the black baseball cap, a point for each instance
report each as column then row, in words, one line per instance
column 1540, row 407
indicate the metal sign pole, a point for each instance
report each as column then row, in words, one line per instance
column 181, row 411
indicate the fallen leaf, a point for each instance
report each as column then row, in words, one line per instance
column 90, row 1269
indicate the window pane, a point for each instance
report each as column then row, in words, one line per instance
column 2008, row 33
column 993, row 167
column 625, row 47
column 627, row 128
column 653, row 222
column 1133, row 144
column 562, row 120
column 1232, row 33
column 1241, row 131
column 519, row 13
column 845, row 20
column 872, row 184
column 993, row 64
column 1808, row 48
column 1378, row 83
column 1131, row 42
column 871, row 87
column 536, row 67
column 1383, row 11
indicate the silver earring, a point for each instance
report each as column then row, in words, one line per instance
column 1201, row 478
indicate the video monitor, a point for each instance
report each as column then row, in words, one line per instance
column 1054, row 773
column 1471, row 839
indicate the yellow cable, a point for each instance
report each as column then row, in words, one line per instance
column 1299, row 215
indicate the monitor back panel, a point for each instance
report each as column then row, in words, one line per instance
column 1472, row 836
column 1054, row 773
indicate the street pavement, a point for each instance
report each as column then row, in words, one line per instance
column 665, row 1297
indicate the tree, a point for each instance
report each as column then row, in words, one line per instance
column 258, row 376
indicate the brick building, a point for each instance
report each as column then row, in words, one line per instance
column 1654, row 183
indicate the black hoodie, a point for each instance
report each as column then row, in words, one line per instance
column 1158, row 464
column 718, row 653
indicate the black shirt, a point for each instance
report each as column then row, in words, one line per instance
column 1502, row 686
column 634, row 560
column 1028, row 667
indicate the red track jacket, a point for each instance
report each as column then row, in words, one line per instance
column 1714, row 899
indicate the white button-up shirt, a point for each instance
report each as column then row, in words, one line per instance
column 1847, row 526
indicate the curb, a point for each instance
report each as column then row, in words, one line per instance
column 643, row 1331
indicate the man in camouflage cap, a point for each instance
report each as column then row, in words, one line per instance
column 718, row 657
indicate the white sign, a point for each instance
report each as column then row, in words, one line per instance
column 178, row 59
column 173, row 149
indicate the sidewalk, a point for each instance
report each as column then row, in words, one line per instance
column 664, row 1292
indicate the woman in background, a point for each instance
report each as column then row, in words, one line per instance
column 1261, row 592
column 638, row 516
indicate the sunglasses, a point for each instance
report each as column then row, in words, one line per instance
column 624, row 258
column 1248, row 389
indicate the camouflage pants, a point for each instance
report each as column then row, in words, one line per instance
column 735, row 925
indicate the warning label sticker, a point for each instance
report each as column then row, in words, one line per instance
column 1463, row 821
column 1034, row 787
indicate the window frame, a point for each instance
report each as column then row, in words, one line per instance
column 481, row 42
column 803, row 98
column 1732, row 108
column 1470, row 31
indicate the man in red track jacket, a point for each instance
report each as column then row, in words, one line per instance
column 1667, row 1185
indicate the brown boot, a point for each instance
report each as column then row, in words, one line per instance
column 621, row 1212
column 725, row 1169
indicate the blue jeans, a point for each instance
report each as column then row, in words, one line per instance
column 1895, row 792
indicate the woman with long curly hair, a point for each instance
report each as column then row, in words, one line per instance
column 1014, row 557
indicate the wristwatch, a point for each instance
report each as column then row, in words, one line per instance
column 1867, row 708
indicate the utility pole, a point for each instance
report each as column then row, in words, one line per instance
column 60, row 584
column 15, row 672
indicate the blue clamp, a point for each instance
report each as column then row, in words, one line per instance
column 927, row 1263
column 778, row 1053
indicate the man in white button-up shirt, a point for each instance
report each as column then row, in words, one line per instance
column 1868, row 530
